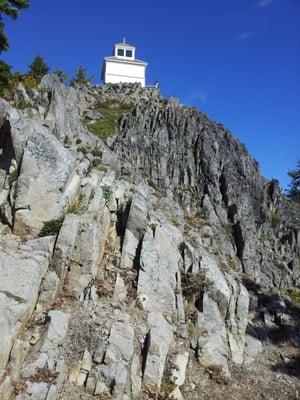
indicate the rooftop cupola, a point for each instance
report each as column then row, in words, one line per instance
column 124, row 51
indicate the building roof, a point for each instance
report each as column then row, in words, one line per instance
column 123, row 44
column 126, row 60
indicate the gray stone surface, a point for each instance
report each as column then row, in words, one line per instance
column 159, row 340
column 21, row 272
column 63, row 109
column 120, row 343
column 206, row 168
column 160, row 261
column 45, row 171
column 56, row 331
column 136, row 226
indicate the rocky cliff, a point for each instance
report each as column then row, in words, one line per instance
column 142, row 253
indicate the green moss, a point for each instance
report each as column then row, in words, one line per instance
column 295, row 295
column 51, row 227
column 105, row 126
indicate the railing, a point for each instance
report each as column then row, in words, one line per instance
column 151, row 86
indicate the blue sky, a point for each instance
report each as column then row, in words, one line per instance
column 236, row 60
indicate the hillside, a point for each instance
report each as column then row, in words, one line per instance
column 143, row 256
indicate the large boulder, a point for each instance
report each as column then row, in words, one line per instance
column 22, row 267
column 63, row 110
column 45, row 172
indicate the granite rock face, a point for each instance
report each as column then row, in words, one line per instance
column 204, row 167
column 168, row 260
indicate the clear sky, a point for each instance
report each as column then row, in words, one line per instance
column 236, row 60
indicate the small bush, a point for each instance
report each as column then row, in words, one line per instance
column 78, row 141
column 96, row 153
column 29, row 82
column 51, row 227
column 106, row 193
column 153, row 185
column 45, row 375
column 275, row 219
column 216, row 373
column 166, row 388
column 96, row 163
column 67, row 141
column 20, row 387
column 175, row 222
column 104, row 288
column 76, row 207
column 196, row 221
column 84, row 150
column 13, row 176
column 181, row 248
column 193, row 284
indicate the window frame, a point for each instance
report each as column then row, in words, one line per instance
column 120, row 49
column 129, row 51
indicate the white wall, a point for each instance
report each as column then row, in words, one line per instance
column 116, row 72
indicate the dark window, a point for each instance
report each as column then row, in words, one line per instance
column 121, row 52
column 128, row 53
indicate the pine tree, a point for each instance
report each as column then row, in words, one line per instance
column 63, row 76
column 81, row 76
column 294, row 192
column 11, row 8
column 38, row 68
column 5, row 76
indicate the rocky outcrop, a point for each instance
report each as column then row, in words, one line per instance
column 202, row 165
column 160, row 246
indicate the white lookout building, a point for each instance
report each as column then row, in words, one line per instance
column 122, row 66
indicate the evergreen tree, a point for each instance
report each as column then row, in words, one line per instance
column 81, row 76
column 294, row 192
column 38, row 68
column 63, row 76
column 11, row 8
column 5, row 76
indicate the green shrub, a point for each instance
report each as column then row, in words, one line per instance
column 13, row 177
column 51, row 227
column 67, row 141
column 96, row 153
column 106, row 192
column 192, row 284
column 83, row 149
column 174, row 221
column 78, row 141
column 153, row 185
column 76, row 207
column 96, row 163
column 81, row 77
column 275, row 219
column 181, row 248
